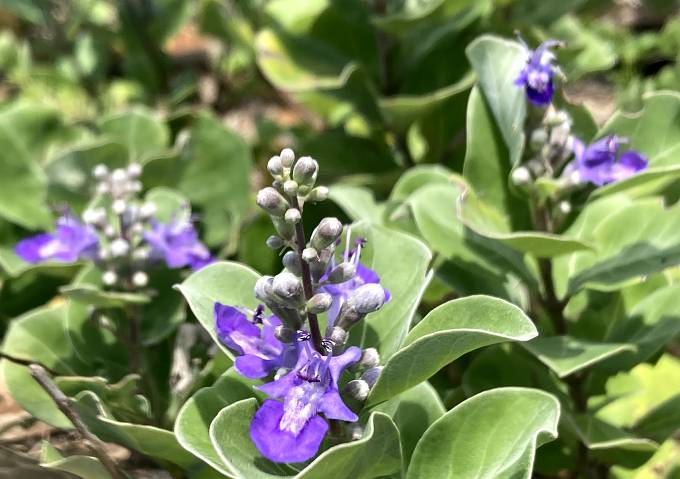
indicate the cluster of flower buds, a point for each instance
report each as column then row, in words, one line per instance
column 121, row 219
column 289, row 345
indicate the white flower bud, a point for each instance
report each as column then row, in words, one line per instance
column 338, row 336
column 134, row 170
column 147, row 210
column 94, row 216
column 118, row 206
column 320, row 193
column 140, row 279
column 104, row 253
column 293, row 216
column 263, row 288
column 275, row 242
column 370, row 358
column 287, row 157
column 328, row 230
column 319, row 303
column 137, row 228
column 274, row 166
column 564, row 207
column 103, row 188
column 119, row 247
column 310, row 254
column 119, row 176
column 287, row 287
column 290, row 187
column 367, row 298
column 272, row 202
column 134, row 186
column 357, row 389
column 355, row 431
column 521, row 176
column 305, row 171
column 342, row 272
column 100, row 171
column 291, row 261
column 110, row 231
column 109, row 278
column 140, row 254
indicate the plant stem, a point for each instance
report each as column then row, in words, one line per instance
column 64, row 404
column 306, row 279
column 26, row 362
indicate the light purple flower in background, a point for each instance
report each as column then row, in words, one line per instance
column 177, row 243
column 292, row 430
column 537, row 75
column 602, row 162
column 70, row 241
column 342, row 291
column 260, row 352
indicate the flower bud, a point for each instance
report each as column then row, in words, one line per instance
column 100, row 171
column 274, row 166
column 119, row 206
column 305, row 171
column 342, row 272
column 284, row 229
column 263, row 288
column 355, row 431
column 110, row 231
column 147, row 210
column 141, row 254
column 119, row 175
column 338, row 336
column 288, row 288
column 325, row 234
column 310, row 254
column 103, row 188
column 94, row 216
column 284, row 334
column 272, row 202
column 520, row 176
column 290, row 187
column 134, row 170
column 539, row 137
column 357, row 389
column 564, row 207
column 320, row 193
column 134, row 186
column 291, row 261
column 370, row 358
column 319, row 303
column 119, row 247
column 371, row 375
column 367, row 298
column 109, row 278
column 140, row 279
column 275, row 242
column 293, row 216
column 287, row 157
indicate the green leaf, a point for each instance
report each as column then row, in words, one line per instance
column 446, row 333
column 86, row 467
column 413, row 411
column 152, row 441
column 169, row 204
column 636, row 240
column 91, row 294
column 23, row 185
column 192, row 426
column 402, row 263
column 649, row 325
column 609, row 443
column 497, row 63
column 493, row 434
column 226, row 282
column 567, row 355
column 139, row 130
column 357, row 202
column 417, row 177
column 214, row 151
column 661, row 422
column 376, row 454
column 39, row 335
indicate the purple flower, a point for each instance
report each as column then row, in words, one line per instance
column 292, row 430
column 177, row 243
column 602, row 162
column 69, row 242
column 259, row 350
column 342, row 291
column 537, row 75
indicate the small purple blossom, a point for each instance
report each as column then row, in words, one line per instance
column 177, row 243
column 260, row 352
column 537, row 75
column 602, row 162
column 342, row 291
column 70, row 241
column 292, row 430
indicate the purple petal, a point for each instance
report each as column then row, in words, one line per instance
column 333, row 408
column 228, row 321
column 32, row 250
column 280, row 387
column 339, row 363
column 252, row 367
column 541, row 97
column 283, row 446
column 367, row 275
column 633, row 161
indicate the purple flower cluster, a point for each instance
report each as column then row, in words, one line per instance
column 537, row 75
column 603, row 161
column 291, row 426
column 178, row 244
column 70, row 241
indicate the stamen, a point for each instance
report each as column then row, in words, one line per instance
column 258, row 314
